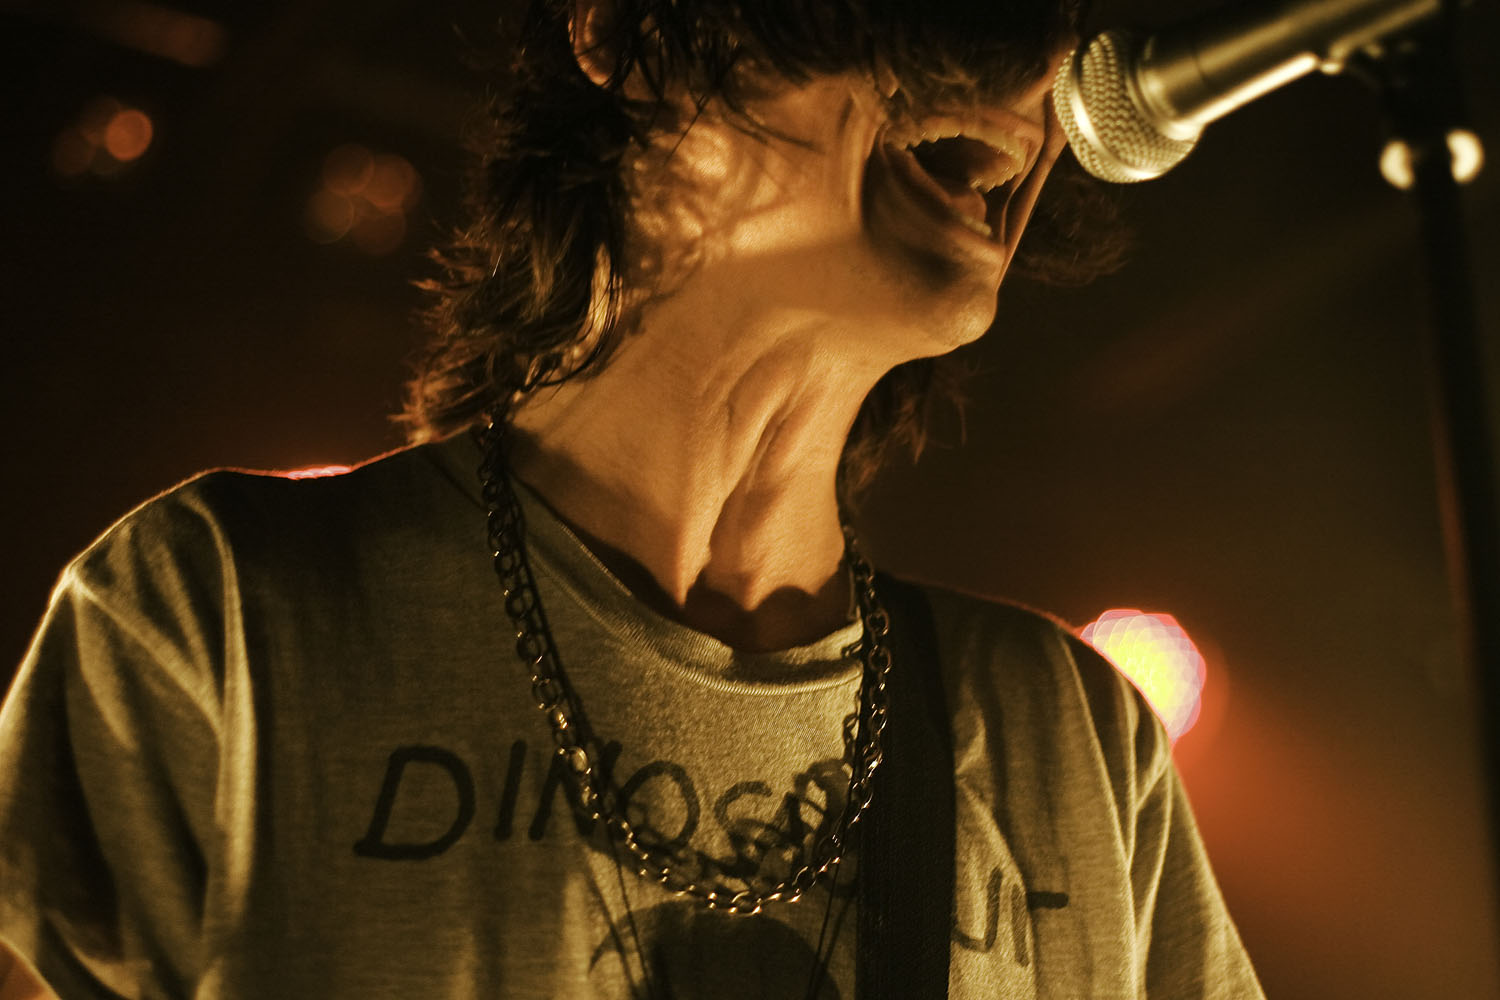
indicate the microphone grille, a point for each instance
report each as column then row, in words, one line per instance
column 1110, row 135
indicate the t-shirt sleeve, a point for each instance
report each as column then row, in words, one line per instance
column 1090, row 805
column 1186, row 940
column 109, row 761
column 1192, row 948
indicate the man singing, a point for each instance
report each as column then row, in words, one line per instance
column 581, row 694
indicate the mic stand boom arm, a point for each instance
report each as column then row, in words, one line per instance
column 1202, row 71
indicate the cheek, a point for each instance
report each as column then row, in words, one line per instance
column 708, row 161
column 795, row 201
column 719, row 191
column 814, row 184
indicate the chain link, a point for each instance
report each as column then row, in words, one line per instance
column 597, row 797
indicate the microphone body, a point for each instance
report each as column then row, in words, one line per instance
column 1134, row 107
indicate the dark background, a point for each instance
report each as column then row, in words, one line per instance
column 1233, row 429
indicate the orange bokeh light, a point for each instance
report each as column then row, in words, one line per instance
column 95, row 118
column 128, row 134
column 1158, row 657
column 364, row 197
column 393, row 184
column 157, row 30
column 72, row 153
column 330, row 216
column 347, row 169
column 106, row 136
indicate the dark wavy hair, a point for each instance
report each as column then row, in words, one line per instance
column 545, row 221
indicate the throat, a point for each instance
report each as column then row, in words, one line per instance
column 785, row 617
column 700, row 467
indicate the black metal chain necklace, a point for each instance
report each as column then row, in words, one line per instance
column 597, row 795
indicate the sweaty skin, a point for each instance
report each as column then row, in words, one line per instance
column 785, row 278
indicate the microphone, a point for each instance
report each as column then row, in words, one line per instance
column 1133, row 107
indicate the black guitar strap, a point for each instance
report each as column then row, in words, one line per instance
column 905, row 878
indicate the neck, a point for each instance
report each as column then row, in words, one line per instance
column 702, row 474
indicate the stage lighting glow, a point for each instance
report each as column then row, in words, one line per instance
column 161, row 31
column 1158, row 657
column 329, row 216
column 347, row 169
column 1468, row 154
column 106, row 136
column 394, row 184
column 1465, row 155
column 364, row 197
column 315, row 472
column 72, row 153
column 128, row 134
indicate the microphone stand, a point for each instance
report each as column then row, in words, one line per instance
column 1418, row 80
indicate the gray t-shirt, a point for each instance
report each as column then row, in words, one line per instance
column 273, row 740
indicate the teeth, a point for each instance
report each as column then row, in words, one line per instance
column 982, row 228
column 1012, row 151
column 988, row 183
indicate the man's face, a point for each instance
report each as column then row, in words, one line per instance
column 899, row 221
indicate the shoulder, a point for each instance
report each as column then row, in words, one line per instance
column 1000, row 634
column 1050, row 686
column 224, row 516
column 195, row 552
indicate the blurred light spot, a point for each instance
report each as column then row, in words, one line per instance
column 330, row 216
column 72, row 153
column 347, row 170
column 364, row 197
column 128, row 134
column 1468, row 154
column 1154, row 652
column 393, row 185
column 1395, row 165
column 94, row 120
column 156, row 30
column 315, row 472
column 105, row 136
column 1465, row 157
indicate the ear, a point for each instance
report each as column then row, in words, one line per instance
column 588, row 27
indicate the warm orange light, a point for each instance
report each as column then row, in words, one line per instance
column 365, row 197
column 329, row 216
column 94, row 120
column 72, row 153
column 315, row 472
column 393, row 184
column 128, row 134
column 105, row 138
column 159, row 31
column 1158, row 657
column 347, row 169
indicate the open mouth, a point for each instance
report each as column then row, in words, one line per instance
column 966, row 169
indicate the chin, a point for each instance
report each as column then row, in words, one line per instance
column 931, row 304
column 951, row 326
